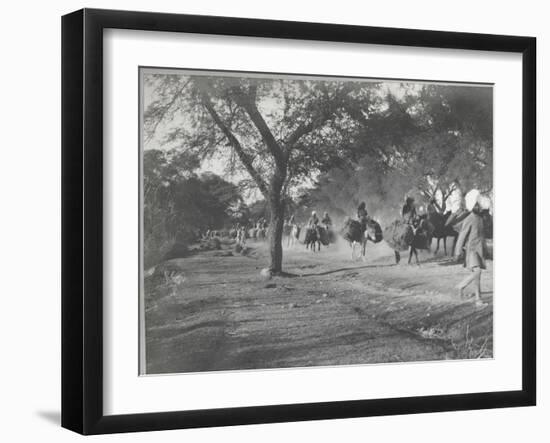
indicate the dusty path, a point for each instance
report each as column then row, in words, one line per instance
column 332, row 311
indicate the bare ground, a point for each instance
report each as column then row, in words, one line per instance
column 217, row 313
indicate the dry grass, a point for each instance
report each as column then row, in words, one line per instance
column 471, row 348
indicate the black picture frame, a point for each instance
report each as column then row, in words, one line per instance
column 82, row 219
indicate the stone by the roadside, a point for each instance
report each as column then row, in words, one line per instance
column 266, row 273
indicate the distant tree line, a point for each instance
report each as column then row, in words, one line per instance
column 179, row 204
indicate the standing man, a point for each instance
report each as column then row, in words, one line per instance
column 472, row 239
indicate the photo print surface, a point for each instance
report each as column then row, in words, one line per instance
column 295, row 221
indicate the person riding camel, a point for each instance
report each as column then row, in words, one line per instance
column 314, row 223
column 362, row 215
column 326, row 221
column 408, row 213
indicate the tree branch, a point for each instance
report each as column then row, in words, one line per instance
column 248, row 103
column 300, row 131
column 426, row 193
column 165, row 109
column 244, row 157
column 306, row 128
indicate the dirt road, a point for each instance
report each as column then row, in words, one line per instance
column 217, row 313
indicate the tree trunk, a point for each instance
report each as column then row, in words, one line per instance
column 461, row 193
column 277, row 209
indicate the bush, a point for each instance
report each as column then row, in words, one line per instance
column 178, row 250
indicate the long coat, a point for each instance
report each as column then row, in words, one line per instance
column 472, row 237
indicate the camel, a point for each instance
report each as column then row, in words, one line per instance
column 357, row 238
column 402, row 236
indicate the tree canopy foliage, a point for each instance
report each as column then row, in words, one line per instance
column 432, row 142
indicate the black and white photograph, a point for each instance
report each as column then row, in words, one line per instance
column 296, row 221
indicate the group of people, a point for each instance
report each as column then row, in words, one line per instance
column 325, row 221
column 260, row 223
column 471, row 243
column 315, row 223
column 240, row 231
column 409, row 215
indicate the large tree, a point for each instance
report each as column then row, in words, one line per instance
column 279, row 132
column 430, row 140
column 452, row 149
column 437, row 137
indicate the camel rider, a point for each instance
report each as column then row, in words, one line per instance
column 408, row 213
column 326, row 221
column 313, row 220
column 362, row 215
column 314, row 223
